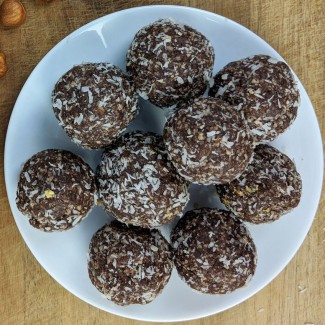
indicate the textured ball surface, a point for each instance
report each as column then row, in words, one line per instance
column 56, row 190
column 137, row 182
column 208, row 141
column 170, row 62
column 94, row 103
column 269, row 188
column 129, row 265
column 213, row 251
column 264, row 89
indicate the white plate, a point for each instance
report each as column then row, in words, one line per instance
column 33, row 127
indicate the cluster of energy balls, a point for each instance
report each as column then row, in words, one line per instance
column 143, row 178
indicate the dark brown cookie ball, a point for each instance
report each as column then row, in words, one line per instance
column 170, row 62
column 129, row 265
column 94, row 103
column 56, row 190
column 137, row 182
column 213, row 251
column 269, row 188
column 208, row 141
column 264, row 89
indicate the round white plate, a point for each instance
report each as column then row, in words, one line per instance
column 33, row 128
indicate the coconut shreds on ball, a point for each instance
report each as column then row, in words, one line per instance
column 208, row 141
column 137, row 182
column 129, row 265
column 56, row 190
column 262, row 87
column 214, row 252
column 269, row 188
column 94, row 103
column 170, row 62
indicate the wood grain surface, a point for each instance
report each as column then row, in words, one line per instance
column 295, row 28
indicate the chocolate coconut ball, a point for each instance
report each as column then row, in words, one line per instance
column 213, row 251
column 94, row 103
column 137, row 182
column 129, row 265
column 208, row 141
column 264, row 89
column 56, row 190
column 269, row 188
column 170, row 62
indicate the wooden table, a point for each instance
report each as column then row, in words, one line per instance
column 295, row 28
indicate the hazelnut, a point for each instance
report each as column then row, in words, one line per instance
column 49, row 194
column 3, row 65
column 12, row 13
column 101, row 111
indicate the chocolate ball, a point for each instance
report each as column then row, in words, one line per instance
column 94, row 103
column 137, row 182
column 129, row 265
column 170, row 62
column 56, row 190
column 208, row 141
column 269, row 188
column 213, row 251
column 264, row 89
